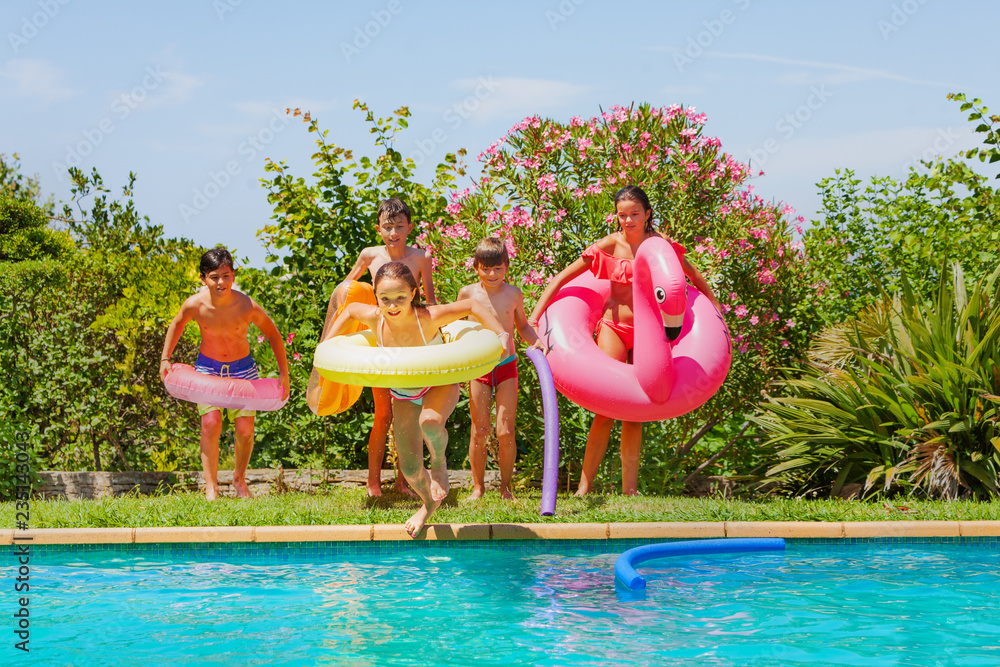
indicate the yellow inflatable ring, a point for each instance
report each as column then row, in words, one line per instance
column 469, row 351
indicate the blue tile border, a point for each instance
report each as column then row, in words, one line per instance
column 271, row 553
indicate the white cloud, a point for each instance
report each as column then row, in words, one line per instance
column 490, row 98
column 885, row 152
column 838, row 73
column 37, row 80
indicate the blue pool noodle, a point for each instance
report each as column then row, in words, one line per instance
column 627, row 562
column 550, row 410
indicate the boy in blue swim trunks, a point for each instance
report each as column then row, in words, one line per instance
column 223, row 316
column 506, row 302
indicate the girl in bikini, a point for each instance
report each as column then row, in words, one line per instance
column 611, row 259
column 400, row 320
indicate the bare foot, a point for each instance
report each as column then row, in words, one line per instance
column 402, row 487
column 211, row 493
column 581, row 492
column 475, row 495
column 415, row 523
column 506, row 494
column 242, row 490
column 374, row 491
column 440, row 487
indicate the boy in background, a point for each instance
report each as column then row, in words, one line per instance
column 506, row 302
column 223, row 316
column 394, row 226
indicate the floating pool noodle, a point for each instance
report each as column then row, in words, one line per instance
column 187, row 384
column 627, row 562
column 550, row 409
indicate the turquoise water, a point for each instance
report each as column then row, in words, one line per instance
column 541, row 604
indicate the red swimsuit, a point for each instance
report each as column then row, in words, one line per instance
column 618, row 270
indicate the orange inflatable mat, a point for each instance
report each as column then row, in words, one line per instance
column 334, row 397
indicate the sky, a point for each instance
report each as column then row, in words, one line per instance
column 190, row 95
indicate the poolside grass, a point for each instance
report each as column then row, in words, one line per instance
column 347, row 506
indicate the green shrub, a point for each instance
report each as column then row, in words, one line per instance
column 901, row 400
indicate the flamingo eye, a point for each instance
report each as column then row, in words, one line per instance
column 660, row 294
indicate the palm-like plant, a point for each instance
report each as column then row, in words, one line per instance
column 903, row 398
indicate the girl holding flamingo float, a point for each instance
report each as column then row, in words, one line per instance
column 612, row 259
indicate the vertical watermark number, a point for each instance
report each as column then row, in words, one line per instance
column 22, row 543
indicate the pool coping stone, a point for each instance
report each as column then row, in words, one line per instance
column 504, row 531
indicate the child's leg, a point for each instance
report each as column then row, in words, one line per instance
column 506, row 421
column 631, row 446
column 600, row 430
column 243, row 426
column 597, row 445
column 480, row 409
column 438, row 405
column 410, row 445
column 211, row 428
column 376, row 440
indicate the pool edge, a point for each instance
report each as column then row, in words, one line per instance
column 504, row 531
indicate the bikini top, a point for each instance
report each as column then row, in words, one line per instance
column 618, row 270
column 437, row 340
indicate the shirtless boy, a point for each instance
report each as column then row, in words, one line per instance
column 394, row 226
column 223, row 316
column 506, row 302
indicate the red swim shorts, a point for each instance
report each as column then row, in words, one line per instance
column 505, row 370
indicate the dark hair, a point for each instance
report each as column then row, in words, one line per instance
column 213, row 259
column 398, row 271
column 390, row 208
column 636, row 194
column 491, row 251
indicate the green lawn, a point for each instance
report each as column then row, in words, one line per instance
column 351, row 506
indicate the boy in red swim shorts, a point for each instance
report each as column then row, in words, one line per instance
column 506, row 302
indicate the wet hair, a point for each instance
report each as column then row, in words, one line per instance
column 399, row 271
column 390, row 208
column 491, row 251
column 213, row 259
column 635, row 194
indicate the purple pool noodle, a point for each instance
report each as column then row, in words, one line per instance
column 550, row 410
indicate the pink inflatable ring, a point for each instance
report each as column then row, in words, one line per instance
column 187, row 384
column 664, row 379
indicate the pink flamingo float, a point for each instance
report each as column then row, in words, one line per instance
column 665, row 379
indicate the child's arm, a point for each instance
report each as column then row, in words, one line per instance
column 266, row 326
column 426, row 278
column 174, row 333
column 572, row 271
column 449, row 312
column 526, row 331
column 360, row 312
column 699, row 281
column 360, row 266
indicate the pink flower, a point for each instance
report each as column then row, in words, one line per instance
column 547, row 183
column 790, row 323
column 290, row 338
column 743, row 348
column 557, row 235
column 296, row 356
column 754, row 319
column 260, row 338
column 469, row 262
column 785, row 343
column 741, row 311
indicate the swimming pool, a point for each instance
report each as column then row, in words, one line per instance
column 857, row 602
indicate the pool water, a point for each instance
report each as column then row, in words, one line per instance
column 537, row 604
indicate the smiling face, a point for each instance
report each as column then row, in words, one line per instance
column 395, row 297
column 491, row 276
column 219, row 281
column 394, row 230
column 632, row 216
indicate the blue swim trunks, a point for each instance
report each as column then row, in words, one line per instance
column 242, row 369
